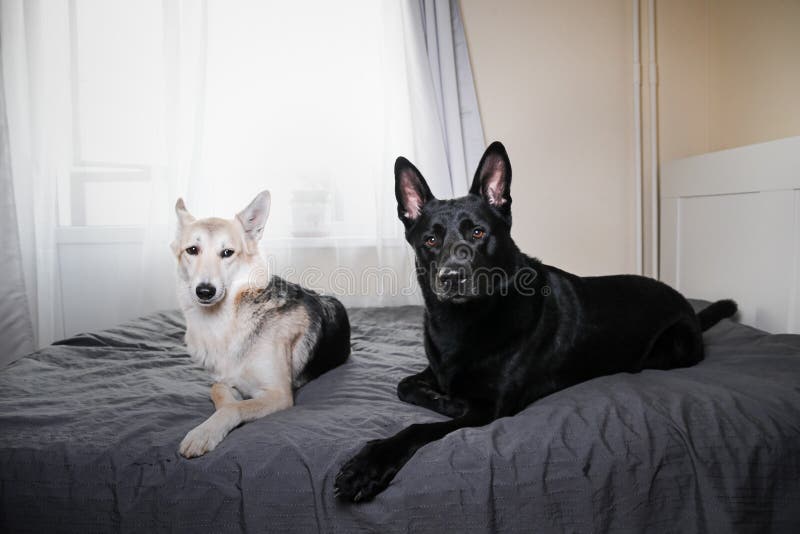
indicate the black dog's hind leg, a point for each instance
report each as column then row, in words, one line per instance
column 423, row 390
column 678, row 345
column 370, row 471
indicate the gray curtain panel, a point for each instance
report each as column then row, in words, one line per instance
column 454, row 89
column 16, row 327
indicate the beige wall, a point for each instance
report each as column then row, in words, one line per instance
column 683, row 77
column 754, row 71
column 553, row 83
column 730, row 73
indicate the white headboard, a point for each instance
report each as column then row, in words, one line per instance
column 730, row 227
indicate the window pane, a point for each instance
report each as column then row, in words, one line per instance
column 295, row 104
column 110, row 197
column 119, row 54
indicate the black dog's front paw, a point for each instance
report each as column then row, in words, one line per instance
column 367, row 473
column 414, row 390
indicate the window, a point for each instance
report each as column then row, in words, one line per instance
column 118, row 96
column 287, row 102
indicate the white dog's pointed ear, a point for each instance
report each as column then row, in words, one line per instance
column 254, row 216
column 184, row 217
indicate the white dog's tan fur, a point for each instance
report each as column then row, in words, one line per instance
column 251, row 336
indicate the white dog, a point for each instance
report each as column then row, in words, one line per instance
column 265, row 338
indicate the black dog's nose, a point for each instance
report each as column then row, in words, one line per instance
column 205, row 291
column 451, row 277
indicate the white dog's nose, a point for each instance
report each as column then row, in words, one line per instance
column 205, row 291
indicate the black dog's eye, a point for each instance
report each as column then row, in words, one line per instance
column 478, row 233
column 431, row 241
column 227, row 253
column 192, row 251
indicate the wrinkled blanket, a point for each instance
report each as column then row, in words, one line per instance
column 90, row 427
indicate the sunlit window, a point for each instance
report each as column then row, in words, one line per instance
column 295, row 104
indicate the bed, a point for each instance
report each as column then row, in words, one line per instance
column 730, row 227
column 91, row 426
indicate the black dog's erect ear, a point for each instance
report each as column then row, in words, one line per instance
column 493, row 178
column 411, row 190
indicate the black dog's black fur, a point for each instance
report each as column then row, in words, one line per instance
column 503, row 329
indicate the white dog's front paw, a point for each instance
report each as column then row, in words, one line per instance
column 202, row 439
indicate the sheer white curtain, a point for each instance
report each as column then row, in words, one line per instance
column 38, row 108
column 121, row 106
column 16, row 323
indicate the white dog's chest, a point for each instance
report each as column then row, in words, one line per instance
column 232, row 358
column 224, row 366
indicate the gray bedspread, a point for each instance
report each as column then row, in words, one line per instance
column 89, row 432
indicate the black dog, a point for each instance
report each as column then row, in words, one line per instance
column 503, row 330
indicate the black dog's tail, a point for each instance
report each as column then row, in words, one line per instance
column 715, row 312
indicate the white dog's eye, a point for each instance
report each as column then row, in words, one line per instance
column 192, row 251
column 227, row 253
